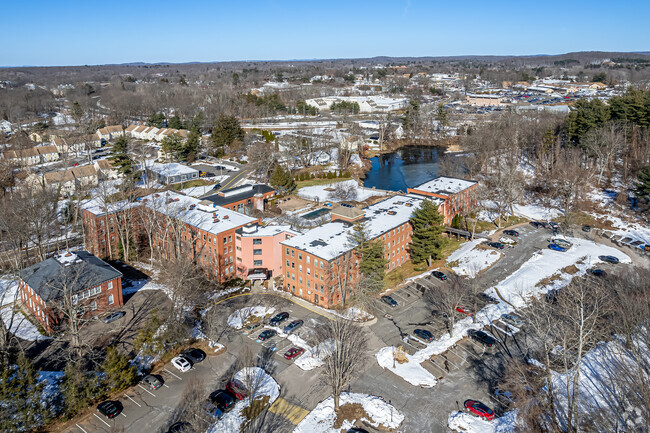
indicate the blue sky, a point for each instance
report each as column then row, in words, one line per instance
column 74, row 32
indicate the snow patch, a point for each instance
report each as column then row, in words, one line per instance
column 466, row 423
column 238, row 319
column 410, row 371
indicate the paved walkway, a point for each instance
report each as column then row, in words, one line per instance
column 292, row 412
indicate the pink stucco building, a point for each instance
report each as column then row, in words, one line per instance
column 259, row 253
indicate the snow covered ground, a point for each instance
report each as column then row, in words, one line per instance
column 532, row 211
column 264, row 386
column 516, row 289
column 8, row 291
column 469, row 260
column 314, row 356
column 20, row 326
column 465, row 423
column 411, row 371
column 319, row 193
column 200, row 191
column 238, row 319
column 380, row 415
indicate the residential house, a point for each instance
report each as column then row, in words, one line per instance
column 72, row 179
column 69, row 278
column 48, row 153
column 106, row 170
column 23, row 157
column 110, row 132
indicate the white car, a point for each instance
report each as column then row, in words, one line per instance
column 182, row 364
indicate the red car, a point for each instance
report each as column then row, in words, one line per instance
column 294, row 352
column 479, row 409
column 463, row 309
column 75, row 164
column 236, row 389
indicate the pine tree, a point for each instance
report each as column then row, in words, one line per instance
column 373, row 261
column 78, row 389
column 643, row 185
column 176, row 123
column 426, row 241
column 20, row 396
column 120, row 157
column 119, row 373
column 282, row 180
column 172, row 145
column 226, row 130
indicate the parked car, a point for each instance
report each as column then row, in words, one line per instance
column 237, row 389
column 390, row 301
column 586, row 229
column 597, row 272
column 487, row 298
column 179, row 427
column 110, row 409
column 561, row 242
column 293, row 326
column 182, row 364
column 556, row 247
column 497, row 245
column 504, row 395
column 294, row 352
column 194, row 355
column 211, row 409
column 609, row 259
column 481, row 337
column 279, row 318
column 479, row 409
column 439, row 275
column 423, row 334
column 536, row 224
column 514, row 233
column 463, row 309
column 152, row 381
column 267, row 334
column 223, row 400
column 554, row 225
column 113, row 316
column 252, row 327
column 513, row 320
column 357, row 430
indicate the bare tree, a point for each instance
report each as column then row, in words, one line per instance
column 348, row 354
column 447, row 297
column 343, row 191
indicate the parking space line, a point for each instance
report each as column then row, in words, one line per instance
column 107, row 424
column 145, row 389
column 172, row 374
column 438, row 367
column 81, row 428
column 165, row 385
column 122, row 413
column 129, row 397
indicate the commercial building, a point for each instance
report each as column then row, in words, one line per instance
column 484, row 100
column 167, row 174
column 453, row 195
column 77, row 280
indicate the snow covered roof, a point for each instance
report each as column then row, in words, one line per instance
column 98, row 207
column 212, row 219
column 331, row 240
column 445, row 185
column 172, row 169
column 257, row 231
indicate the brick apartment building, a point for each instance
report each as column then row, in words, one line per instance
column 242, row 197
column 312, row 260
column 77, row 277
column 452, row 195
column 259, row 250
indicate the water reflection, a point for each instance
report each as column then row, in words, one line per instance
column 406, row 167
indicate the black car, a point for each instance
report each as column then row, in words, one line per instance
column 487, row 298
column 390, row 301
column 293, row 326
column 497, row 245
column 609, row 259
column 279, row 318
column 439, row 275
column 423, row 334
column 194, row 355
column 481, row 337
column 514, row 233
column 265, row 335
column 357, row 430
column 536, row 224
column 586, row 229
column 223, row 400
column 597, row 272
column 110, row 409
column 178, row 427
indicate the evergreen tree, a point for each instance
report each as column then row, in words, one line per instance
column 20, row 397
column 426, row 241
column 77, row 112
column 586, row 116
column 121, row 158
column 197, row 122
column 119, row 373
column 173, row 146
column 643, row 185
column 282, row 180
column 176, row 123
column 79, row 389
column 226, row 130
column 441, row 115
column 191, row 146
column 156, row 120
column 373, row 261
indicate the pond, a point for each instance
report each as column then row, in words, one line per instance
column 406, row 167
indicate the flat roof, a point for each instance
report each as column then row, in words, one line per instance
column 233, row 195
column 332, row 239
column 171, row 169
column 445, row 185
column 270, row 230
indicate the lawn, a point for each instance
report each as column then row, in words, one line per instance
column 313, row 182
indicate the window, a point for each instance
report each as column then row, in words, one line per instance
column 293, row 276
column 224, row 240
column 299, row 256
column 229, row 238
column 308, row 271
column 257, row 241
column 257, row 263
column 257, row 252
column 316, row 262
column 299, row 268
column 110, row 285
column 308, row 259
column 110, row 300
column 288, row 263
column 287, row 251
column 93, row 306
column 287, row 274
column 308, row 283
column 292, row 253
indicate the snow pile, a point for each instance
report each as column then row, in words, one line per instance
column 536, row 212
column 320, row 192
column 133, row 286
column 200, row 191
column 8, row 291
column 20, row 326
column 314, row 356
column 238, row 319
column 410, row 371
column 516, row 289
column 466, row 423
column 264, row 385
column 380, row 415
column 469, row 262
column 354, row 314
